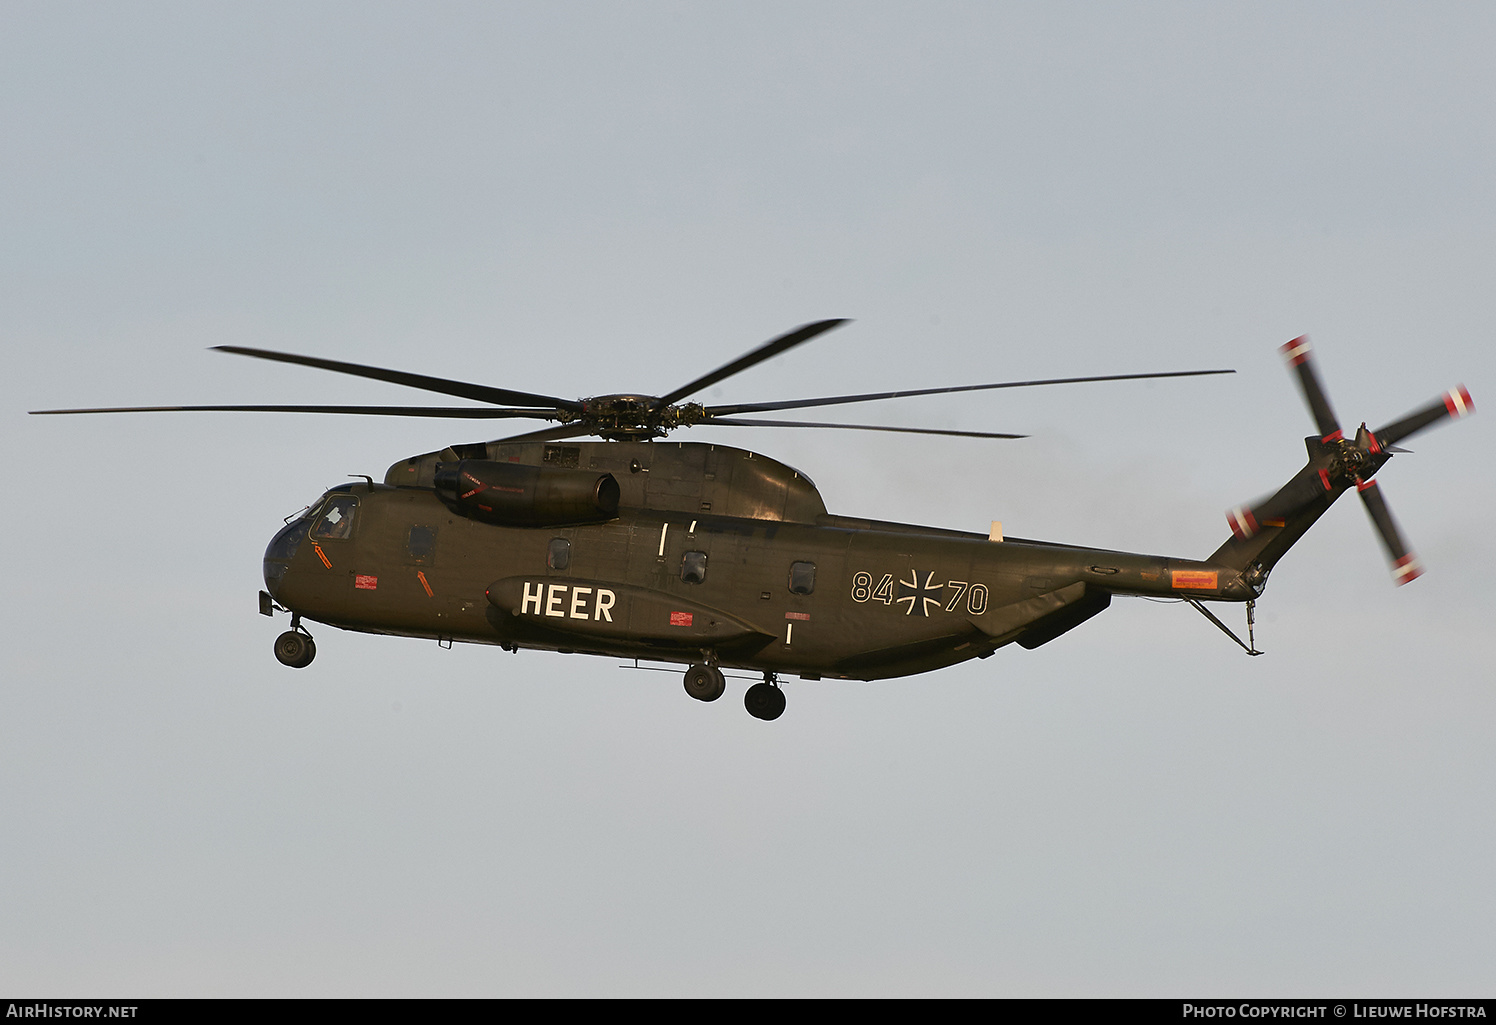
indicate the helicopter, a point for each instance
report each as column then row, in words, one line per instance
column 720, row 558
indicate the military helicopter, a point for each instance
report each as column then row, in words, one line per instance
column 720, row 558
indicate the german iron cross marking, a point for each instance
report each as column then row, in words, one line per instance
column 919, row 596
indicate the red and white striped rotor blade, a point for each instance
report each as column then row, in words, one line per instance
column 1454, row 403
column 1405, row 565
column 1297, row 353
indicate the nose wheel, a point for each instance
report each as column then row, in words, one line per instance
column 295, row 649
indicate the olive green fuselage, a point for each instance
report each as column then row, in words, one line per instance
column 716, row 555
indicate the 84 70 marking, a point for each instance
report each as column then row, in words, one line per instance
column 918, row 595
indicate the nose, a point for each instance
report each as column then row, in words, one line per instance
column 280, row 551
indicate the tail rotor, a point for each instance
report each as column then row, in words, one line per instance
column 1337, row 463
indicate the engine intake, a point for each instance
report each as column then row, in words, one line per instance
column 515, row 495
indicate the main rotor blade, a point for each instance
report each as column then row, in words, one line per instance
column 463, row 389
column 1405, row 565
column 440, row 412
column 550, row 434
column 854, row 427
column 833, row 400
column 1456, row 403
column 766, row 351
column 1297, row 354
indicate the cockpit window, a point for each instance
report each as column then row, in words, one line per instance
column 335, row 521
column 283, row 545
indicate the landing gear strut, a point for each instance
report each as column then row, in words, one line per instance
column 765, row 700
column 295, row 647
column 705, row 683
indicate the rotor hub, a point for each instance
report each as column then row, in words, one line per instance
column 1354, row 461
column 1349, row 462
column 632, row 417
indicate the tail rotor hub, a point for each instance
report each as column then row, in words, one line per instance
column 1352, row 461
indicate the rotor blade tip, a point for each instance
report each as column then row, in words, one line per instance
column 1407, row 569
column 1296, row 351
column 1458, row 401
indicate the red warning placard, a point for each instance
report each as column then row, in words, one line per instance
column 680, row 619
column 1193, row 580
column 365, row 583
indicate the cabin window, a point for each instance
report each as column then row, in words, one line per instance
column 558, row 555
column 693, row 567
column 335, row 522
column 420, row 543
column 802, row 577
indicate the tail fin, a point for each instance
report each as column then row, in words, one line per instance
column 1263, row 533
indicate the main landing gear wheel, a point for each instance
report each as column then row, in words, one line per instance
column 705, row 683
column 295, row 649
column 764, row 701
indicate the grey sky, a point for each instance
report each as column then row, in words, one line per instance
column 579, row 198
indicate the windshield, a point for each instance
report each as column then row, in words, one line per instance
column 334, row 522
